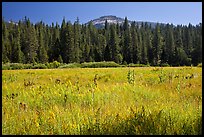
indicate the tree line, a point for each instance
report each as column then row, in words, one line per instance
column 26, row 42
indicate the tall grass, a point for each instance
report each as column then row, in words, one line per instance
column 101, row 101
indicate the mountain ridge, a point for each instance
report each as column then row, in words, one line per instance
column 112, row 19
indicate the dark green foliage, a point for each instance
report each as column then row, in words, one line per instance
column 30, row 43
column 42, row 53
column 13, row 66
column 164, row 65
column 124, row 44
column 157, row 45
column 127, row 43
column 17, row 54
column 131, row 77
column 39, row 66
column 53, row 64
column 114, row 47
column 107, row 54
column 56, row 64
column 6, row 48
column 60, row 59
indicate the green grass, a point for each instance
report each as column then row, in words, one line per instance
column 100, row 101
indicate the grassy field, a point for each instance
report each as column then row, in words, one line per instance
column 83, row 101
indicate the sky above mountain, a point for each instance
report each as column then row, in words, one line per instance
column 162, row 12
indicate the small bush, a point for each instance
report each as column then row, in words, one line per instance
column 199, row 65
column 28, row 66
column 123, row 66
column 56, row 64
column 16, row 66
column 71, row 65
column 13, row 66
column 6, row 66
column 99, row 64
column 165, row 65
column 138, row 65
column 39, row 66
column 53, row 64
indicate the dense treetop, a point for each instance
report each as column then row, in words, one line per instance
column 26, row 42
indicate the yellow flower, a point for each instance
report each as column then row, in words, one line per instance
column 37, row 124
column 52, row 115
column 74, row 126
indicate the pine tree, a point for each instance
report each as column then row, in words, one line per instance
column 54, row 46
column 144, row 59
column 69, row 55
column 107, row 53
column 181, row 57
column 76, row 41
column 17, row 54
column 113, row 43
column 62, row 40
column 42, row 53
column 127, row 46
column 149, row 38
column 30, row 44
column 99, row 48
column 5, row 42
column 157, row 46
column 190, row 37
column 197, row 50
column 135, row 44
column 169, row 50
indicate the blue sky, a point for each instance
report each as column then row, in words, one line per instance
column 162, row 12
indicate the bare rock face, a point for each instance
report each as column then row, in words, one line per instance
column 100, row 22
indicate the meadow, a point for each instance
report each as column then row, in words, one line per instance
column 102, row 101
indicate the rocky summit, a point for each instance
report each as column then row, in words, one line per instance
column 100, row 22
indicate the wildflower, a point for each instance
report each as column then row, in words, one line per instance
column 74, row 126
column 37, row 124
column 52, row 115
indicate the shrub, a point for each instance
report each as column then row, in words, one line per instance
column 16, row 66
column 124, row 63
column 71, row 65
column 28, row 66
column 39, row 66
column 13, row 66
column 53, row 64
column 199, row 65
column 165, row 65
column 99, row 64
column 56, row 64
column 138, row 65
column 6, row 66
column 47, row 64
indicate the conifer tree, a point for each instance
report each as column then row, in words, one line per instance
column 17, row 54
column 42, row 53
column 5, row 42
column 68, row 43
column 157, row 46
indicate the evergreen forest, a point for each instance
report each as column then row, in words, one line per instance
column 25, row 42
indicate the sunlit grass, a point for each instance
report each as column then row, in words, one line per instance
column 69, row 101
